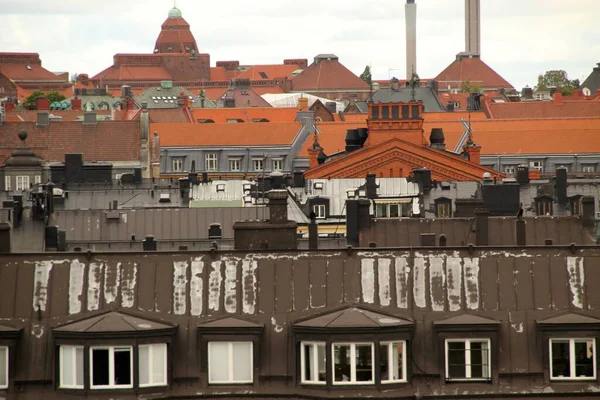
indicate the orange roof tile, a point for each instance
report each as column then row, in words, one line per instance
column 23, row 93
column 545, row 109
column 255, row 72
column 221, row 115
column 167, row 116
column 328, row 75
column 470, row 69
column 260, row 90
column 134, row 73
column 212, row 93
column 29, row 72
column 218, row 74
column 31, row 115
column 183, row 135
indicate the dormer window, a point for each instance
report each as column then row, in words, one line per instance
column 543, row 205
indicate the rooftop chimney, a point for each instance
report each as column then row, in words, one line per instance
column 411, row 38
column 473, row 27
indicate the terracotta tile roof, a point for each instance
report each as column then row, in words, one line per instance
column 213, row 93
column 328, row 75
column 246, row 134
column 260, row 90
column 266, row 72
column 545, row 109
column 331, row 136
column 167, row 116
column 218, row 74
column 105, row 141
column 29, row 72
column 221, row 115
column 67, row 115
column 23, row 93
column 473, row 70
column 360, row 118
column 134, row 73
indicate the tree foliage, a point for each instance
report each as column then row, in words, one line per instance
column 366, row 75
column 31, row 102
column 559, row 79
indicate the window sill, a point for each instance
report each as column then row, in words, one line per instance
column 451, row 380
column 231, row 383
column 342, row 384
column 120, row 387
column 574, row 379
column 393, row 382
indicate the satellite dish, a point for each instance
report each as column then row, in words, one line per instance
column 587, row 92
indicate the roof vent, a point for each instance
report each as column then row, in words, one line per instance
column 165, row 198
column 112, row 215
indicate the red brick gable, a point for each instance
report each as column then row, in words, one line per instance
column 105, row 141
column 328, row 75
column 475, row 71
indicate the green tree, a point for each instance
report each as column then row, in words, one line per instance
column 30, row 102
column 366, row 76
column 557, row 78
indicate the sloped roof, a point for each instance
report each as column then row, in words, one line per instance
column 213, row 93
column 472, row 69
column 271, row 89
column 245, row 97
column 569, row 319
column 113, row 322
column 430, row 99
column 266, row 72
column 466, row 319
column 229, row 322
column 159, row 97
column 592, row 82
column 328, row 75
column 104, row 141
column 545, row 109
column 134, row 73
column 66, row 115
column 167, row 116
column 218, row 74
column 244, row 134
column 29, row 72
column 291, row 99
column 221, row 115
column 25, row 92
column 353, row 317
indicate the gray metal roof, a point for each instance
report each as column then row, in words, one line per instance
column 126, row 199
column 159, row 97
column 431, row 102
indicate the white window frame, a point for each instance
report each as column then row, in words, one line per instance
column 230, row 364
column 37, row 179
column 75, row 366
column 211, row 161
column 151, row 349
column 510, row 170
column 177, row 164
column 277, row 164
column 6, row 351
column 111, row 367
column 22, row 183
column 353, row 380
column 315, row 364
column 320, row 211
column 255, row 164
column 7, row 183
column 389, row 346
column 539, row 165
column 572, row 359
column 235, row 164
column 588, row 168
column 467, row 343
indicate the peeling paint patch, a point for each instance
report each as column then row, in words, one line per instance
column 471, row 276
column 276, row 328
column 180, row 282
column 76, row 272
column 437, row 282
column 383, row 274
column 368, row 280
column 249, row 286
column 128, row 283
column 40, row 285
column 402, row 275
column 230, row 286
column 419, row 290
column 454, row 278
column 37, row 330
column 214, row 286
column 111, row 283
column 517, row 327
column 196, row 287
column 576, row 280
column 94, row 285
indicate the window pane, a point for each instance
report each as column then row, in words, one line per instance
column 3, row 366
column 560, row 359
column 144, row 365
column 397, row 361
column 242, row 361
column 159, row 363
column 341, row 356
column 456, row 360
column 66, row 365
column 79, row 366
column 308, row 363
column 479, row 360
column 321, row 362
column 364, row 363
column 393, row 210
column 584, row 358
column 384, row 363
column 100, row 367
column 122, row 366
column 218, row 363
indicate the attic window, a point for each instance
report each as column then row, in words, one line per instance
column 318, row 186
column 220, row 187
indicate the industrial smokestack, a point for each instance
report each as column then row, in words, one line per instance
column 411, row 38
column 473, row 27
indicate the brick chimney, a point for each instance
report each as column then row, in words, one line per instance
column 76, row 104
column 128, row 104
column 473, row 151
column 303, row 103
column 313, row 153
column 43, row 104
column 558, row 99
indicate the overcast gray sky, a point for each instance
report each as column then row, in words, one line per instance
column 520, row 38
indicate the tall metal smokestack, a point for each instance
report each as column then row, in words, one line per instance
column 411, row 38
column 473, row 27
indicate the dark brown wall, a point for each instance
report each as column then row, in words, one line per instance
column 513, row 286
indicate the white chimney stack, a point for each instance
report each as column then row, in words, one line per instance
column 411, row 38
column 473, row 27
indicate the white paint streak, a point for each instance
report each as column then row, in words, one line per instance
column 471, row 277
column 230, row 286
column 276, row 328
column 368, row 279
column 419, row 282
column 517, row 327
column 454, row 278
column 437, row 282
column 76, row 273
column 576, row 280
column 111, row 283
column 214, row 286
column 40, row 284
column 37, row 330
column 128, row 283
column 94, row 286
column 402, row 275
column 196, row 287
column 180, row 282
column 249, row 286
column 383, row 269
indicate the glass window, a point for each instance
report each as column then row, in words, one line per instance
column 393, row 210
column 71, row 367
column 153, row 365
column 573, row 359
column 539, row 165
column 22, row 183
column 111, row 367
column 258, row 164
column 468, row 359
column 37, row 179
column 235, row 164
column 277, row 164
column 375, row 112
column 415, row 112
column 392, row 362
column 230, row 362
column 543, row 207
column 211, row 162
column 591, row 168
column 312, row 360
column 3, row 367
column 510, row 169
column 7, row 183
column 385, row 112
column 443, row 209
column 395, row 112
column 177, row 164
column 353, row 363
column 319, row 210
